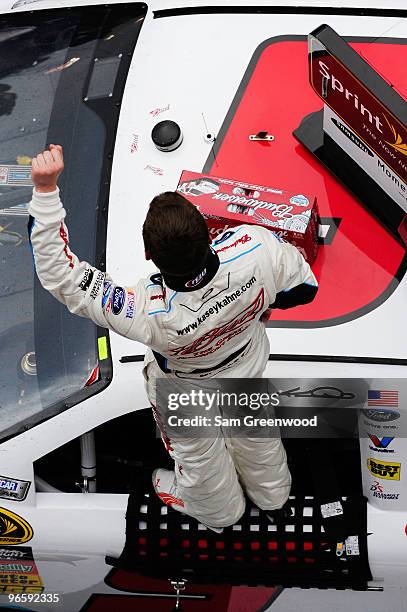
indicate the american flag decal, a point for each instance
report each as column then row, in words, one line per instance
column 16, row 176
column 382, row 398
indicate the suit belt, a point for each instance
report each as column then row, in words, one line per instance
column 162, row 361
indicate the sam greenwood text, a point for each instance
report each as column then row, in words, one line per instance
column 246, row 421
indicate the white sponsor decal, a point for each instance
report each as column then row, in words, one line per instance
column 331, row 509
column 365, row 157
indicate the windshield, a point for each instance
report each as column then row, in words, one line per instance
column 62, row 73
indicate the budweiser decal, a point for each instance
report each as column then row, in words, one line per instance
column 225, row 203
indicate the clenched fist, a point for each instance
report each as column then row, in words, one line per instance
column 46, row 168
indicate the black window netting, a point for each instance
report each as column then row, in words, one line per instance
column 301, row 550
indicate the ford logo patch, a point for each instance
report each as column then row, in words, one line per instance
column 381, row 416
column 118, row 299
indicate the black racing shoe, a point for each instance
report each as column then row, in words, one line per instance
column 281, row 515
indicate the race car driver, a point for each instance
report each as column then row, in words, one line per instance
column 200, row 316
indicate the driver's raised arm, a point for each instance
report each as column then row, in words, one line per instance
column 84, row 289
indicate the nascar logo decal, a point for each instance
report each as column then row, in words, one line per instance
column 11, row 488
column 13, row 528
column 384, row 469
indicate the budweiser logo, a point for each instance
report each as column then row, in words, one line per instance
column 155, row 170
column 134, row 143
column 158, row 111
column 278, row 210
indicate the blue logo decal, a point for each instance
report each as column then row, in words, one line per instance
column 299, row 200
column 225, row 236
column 380, row 442
column 118, row 299
column 11, row 485
column 380, row 415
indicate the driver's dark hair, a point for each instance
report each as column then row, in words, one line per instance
column 175, row 234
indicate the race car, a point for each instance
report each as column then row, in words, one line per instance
column 77, row 434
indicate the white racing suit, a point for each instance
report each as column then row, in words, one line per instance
column 208, row 326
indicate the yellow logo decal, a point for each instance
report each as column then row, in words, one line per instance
column 384, row 469
column 398, row 143
column 13, row 528
column 23, row 160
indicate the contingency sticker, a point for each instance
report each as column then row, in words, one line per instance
column 18, row 571
column 11, row 488
column 16, row 176
column 332, row 509
column 352, row 545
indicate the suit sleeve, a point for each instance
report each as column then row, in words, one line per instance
column 85, row 290
column 288, row 276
